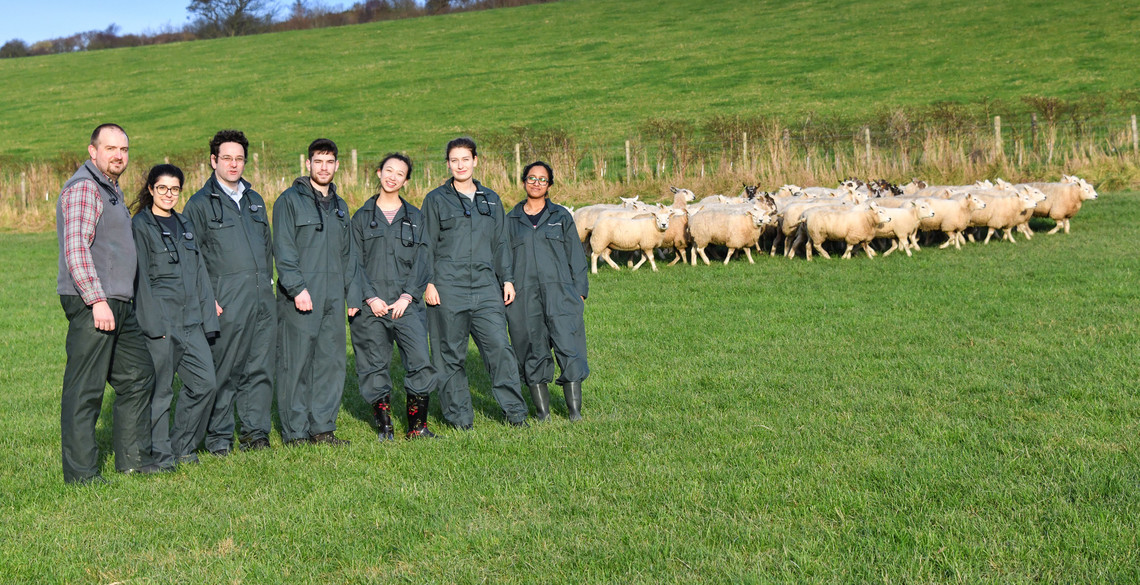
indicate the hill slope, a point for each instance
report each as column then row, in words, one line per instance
column 597, row 68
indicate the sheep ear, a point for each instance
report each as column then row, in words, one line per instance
column 673, row 189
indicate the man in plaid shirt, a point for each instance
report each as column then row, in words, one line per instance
column 97, row 265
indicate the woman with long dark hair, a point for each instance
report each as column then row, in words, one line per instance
column 176, row 310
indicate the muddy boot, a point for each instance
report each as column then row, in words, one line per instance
column 540, row 395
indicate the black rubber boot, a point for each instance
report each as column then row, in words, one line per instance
column 573, row 392
column 381, row 413
column 417, row 418
column 540, row 394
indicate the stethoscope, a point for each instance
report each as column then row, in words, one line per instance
column 408, row 242
column 484, row 209
column 165, row 235
column 220, row 209
column 321, row 214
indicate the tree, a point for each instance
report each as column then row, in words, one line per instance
column 14, row 48
column 228, row 18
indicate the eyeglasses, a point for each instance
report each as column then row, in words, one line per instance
column 163, row 189
column 231, row 159
column 537, row 180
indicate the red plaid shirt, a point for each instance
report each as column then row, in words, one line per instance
column 82, row 206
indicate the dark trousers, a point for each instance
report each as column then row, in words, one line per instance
column 245, row 357
column 450, row 323
column 372, row 339
column 95, row 358
column 183, row 350
column 545, row 317
column 311, row 372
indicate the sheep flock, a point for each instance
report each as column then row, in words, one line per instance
column 854, row 216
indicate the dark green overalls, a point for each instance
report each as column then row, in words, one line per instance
column 393, row 261
column 550, row 283
column 175, row 307
column 313, row 249
column 235, row 243
column 469, row 251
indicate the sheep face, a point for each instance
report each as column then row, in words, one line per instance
column 689, row 195
column 661, row 219
column 1087, row 190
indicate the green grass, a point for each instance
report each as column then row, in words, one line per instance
column 594, row 67
column 958, row 416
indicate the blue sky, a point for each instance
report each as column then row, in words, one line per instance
column 37, row 20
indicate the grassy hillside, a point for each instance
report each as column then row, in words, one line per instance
column 594, row 67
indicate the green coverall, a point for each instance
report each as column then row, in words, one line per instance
column 236, row 245
column 175, row 308
column 469, row 253
column 550, row 283
column 393, row 261
column 313, row 249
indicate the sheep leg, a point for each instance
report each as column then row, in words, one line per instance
column 1056, row 227
column 594, row 262
column 989, row 232
column 894, row 245
column 914, row 242
column 847, row 252
column 822, row 252
column 748, row 252
column 1009, row 235
column 775, row 240
column 693, row 255
column 703, row 257
column 801, row 238
column 871, row 253
column 1066, row 226
column 728, row 256
column 610, row 261
column 1025, row 231
column 652, row 264
column 905, row 245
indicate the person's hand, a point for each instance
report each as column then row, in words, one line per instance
column 378, row 306
column 508, row 293
column 303, row 302
column 431, row 296
column 399, row 307
column 218, row 307
column 352, row 311
column 104, row 318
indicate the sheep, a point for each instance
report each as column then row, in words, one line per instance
column 677, row 236
column 727, row 227
column 585, row 217
column 903, row 224
column 789, row 222
column 855, row 226
column 1002, row 211
column 641, row 232
column 951, row 216
column 1064, row 200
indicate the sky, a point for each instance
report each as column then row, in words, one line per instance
column 37, row 20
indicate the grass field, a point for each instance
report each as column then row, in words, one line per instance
column 954, row 417
column 596, row 68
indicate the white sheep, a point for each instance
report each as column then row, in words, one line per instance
column 641, row 232
column 731, row 228
column 951, row 216
column 1003, row 210
column 1064, row 200
column 855, row 226
column 903, row 224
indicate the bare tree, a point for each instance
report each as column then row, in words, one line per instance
column 228, row 18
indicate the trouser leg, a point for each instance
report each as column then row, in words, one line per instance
column 328, row 369
column 163, row 354
column 84, row 382
column 296, row 335
column 372, row 346
column 230, row 351
column 567, row 335
column 254, row 395
column 196, row 370
column 132, row 377
column 412, row 339
column 449, row 330
column 489, row 328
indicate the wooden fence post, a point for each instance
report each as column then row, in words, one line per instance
column 1135, row 137
column 518, row 161
column 629, row 167
column 744, row 163
column 998, row 150
column 301, row 158
column 1033, row 125
column 255, row 162
column 354, row 166
column 867, row 143
column 24, row 188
